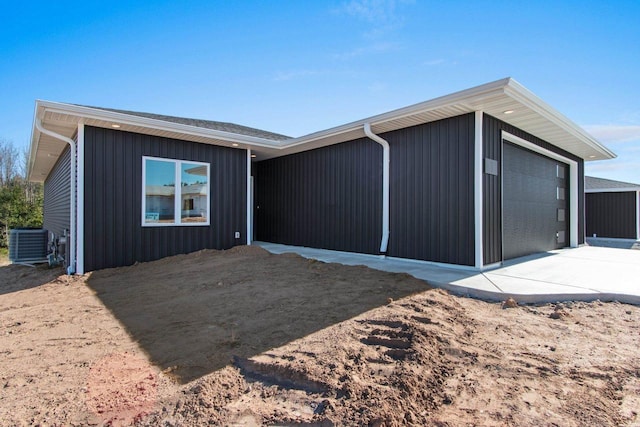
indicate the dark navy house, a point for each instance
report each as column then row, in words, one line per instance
column 469, row 179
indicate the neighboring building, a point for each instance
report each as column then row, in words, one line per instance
column 612, row 208
column 470, row 179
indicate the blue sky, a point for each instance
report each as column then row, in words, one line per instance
column 295, row 67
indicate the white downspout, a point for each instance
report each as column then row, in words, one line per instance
column 72, row 145
column 385, row 185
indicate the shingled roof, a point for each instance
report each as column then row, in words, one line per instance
column 207, row 124
column 593, row 183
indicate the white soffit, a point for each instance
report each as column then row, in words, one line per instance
column 528, row 112
column 64, row 119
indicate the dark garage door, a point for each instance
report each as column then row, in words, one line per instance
column 534, row 202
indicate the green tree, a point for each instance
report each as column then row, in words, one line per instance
column 20, row 201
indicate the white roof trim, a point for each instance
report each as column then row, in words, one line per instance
column 130, row 119
column 507, row 87
column 526, row 97
column 410, row 110
column 613, row 190
column 504, row 90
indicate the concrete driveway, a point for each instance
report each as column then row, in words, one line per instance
column 586, row 273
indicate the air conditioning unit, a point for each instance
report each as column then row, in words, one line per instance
column 28, row 245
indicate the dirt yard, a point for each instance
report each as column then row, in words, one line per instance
column 246, row 338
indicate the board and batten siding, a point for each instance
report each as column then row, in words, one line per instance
column 57, row 196
column 328, row 198
column 432, row 216
column 492, row 191
column 612, row 214
column 331, row 197
column 113, row 233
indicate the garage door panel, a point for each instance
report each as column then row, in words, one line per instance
column 530, row 205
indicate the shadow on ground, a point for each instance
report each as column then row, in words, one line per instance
column 16, row 277
column 193, row 313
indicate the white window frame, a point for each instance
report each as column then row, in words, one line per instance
column 177, row 220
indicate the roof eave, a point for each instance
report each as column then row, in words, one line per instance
column 129, row 119
column 33, row 146
column 467, row 98
column 507, row 87
column 432, row 104
column 523, row 95
column 82, row 113
column 612, row 190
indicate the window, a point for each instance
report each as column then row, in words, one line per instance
column 174, row 192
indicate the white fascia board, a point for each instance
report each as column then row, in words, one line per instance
column 443, row 101
column 422, row 107
column 523, row 95
column 133, row 120
column 612, row 190
column 35, row 140
column 506, row 86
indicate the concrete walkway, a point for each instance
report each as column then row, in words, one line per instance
column 582, row 274
column 613, row 243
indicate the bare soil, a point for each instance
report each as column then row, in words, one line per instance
column 244, row 337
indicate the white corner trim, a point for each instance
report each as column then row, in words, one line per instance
column 477, row 191
column 573, row 180
column 249, row 199
column 638, row 215
column 573, row 204
column 80, row 202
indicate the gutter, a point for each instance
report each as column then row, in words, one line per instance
column 72, row 144
column 505, row 87
column 386, row 151
column 527, row 98
column 612, row 190
column 133, row 120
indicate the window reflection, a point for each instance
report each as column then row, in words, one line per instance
column 160, row 190
column 175, row 192
column 193, row 188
